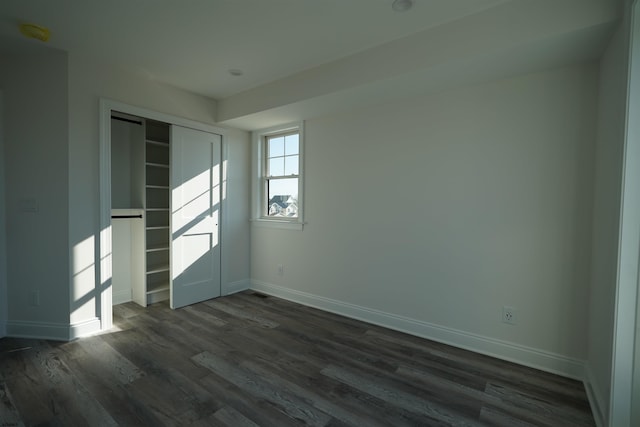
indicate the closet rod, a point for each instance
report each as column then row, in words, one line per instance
column 125, row 216
column 126, row 120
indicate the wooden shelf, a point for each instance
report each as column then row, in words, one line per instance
column 157, row 142
column 158, row 187
column 159, row 287
column 157, row 268
column 157, row 248
column 157, row 165
column 158, row 227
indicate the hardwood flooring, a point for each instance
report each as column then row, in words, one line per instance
column 250, row 360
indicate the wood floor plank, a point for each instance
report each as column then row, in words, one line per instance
column 232, row 418
column 12, row 351
column 203, row 315
column 68, row 399
column 544, row 409
column 310, row 317
column 30, row 401
column 9, row 415
column 495, row 417
column 280, row 379
column 113, row 364
column 297, row 407
column 109, row 392
column 240, row 313
column 259, row 411
column 431, row 411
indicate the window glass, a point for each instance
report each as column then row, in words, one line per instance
column 291, row 165
column 283, row 198
column 291, row 145
column 276, row 146
column 276, row 166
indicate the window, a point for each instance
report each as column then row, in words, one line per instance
column 281, row 174
column 278, row 167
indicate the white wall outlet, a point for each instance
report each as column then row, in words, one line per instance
column 280, row 270
column 34, row 298
column 509, row 315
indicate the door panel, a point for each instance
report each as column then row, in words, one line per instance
column 195, row 215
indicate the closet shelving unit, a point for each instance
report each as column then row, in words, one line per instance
column 157, row 211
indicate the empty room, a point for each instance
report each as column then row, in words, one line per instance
column 320, row 212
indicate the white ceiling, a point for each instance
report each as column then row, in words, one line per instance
column 193, row 43
column 294, row 51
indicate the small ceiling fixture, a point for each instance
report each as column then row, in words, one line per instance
column 235, row 72
column 402, row 5
column 35, row 32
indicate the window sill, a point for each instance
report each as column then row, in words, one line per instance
column 274, row 223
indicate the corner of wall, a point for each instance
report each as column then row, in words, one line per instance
column 595, row 396
column 235, row 287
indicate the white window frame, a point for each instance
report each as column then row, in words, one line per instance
column 258, row 188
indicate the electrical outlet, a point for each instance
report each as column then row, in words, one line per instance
column 509, row 315
column 280, row 270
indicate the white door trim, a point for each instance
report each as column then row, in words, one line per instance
column 620, row 403
column 105, row 302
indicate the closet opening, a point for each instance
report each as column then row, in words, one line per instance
column 140, row 189
column 161, row 209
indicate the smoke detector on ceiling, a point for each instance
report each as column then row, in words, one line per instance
column 35, row 32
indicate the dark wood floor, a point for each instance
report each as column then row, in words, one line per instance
column 249, row 360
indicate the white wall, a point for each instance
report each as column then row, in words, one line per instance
column 429, row 215
column 88, row 82
column 121, row 164
column 35, row 129
column 606, row 217
column 127, row 165
column 3, row 232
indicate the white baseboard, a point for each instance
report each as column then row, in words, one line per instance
column 38, row 330
column 121, row 297
column 595, row 396
column 523, row 355
column 84, row 328
column 52, row 331
column 237, row 286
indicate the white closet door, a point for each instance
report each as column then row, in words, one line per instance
column 195, row 216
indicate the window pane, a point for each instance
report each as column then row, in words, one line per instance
column 291, row 145
column 276, row 166
column 283, row 197
column 276, row 146
column 291, row 165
